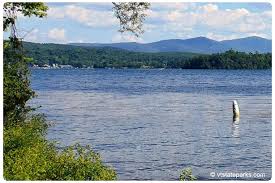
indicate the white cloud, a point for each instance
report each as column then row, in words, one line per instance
column 175, row 6
column 209, row 8
column 187, row 19
column 55, row 13
column 211, row 17
column 57, row 34
column 220, row 37
column 85, row 16
column 150, row 27
column 80, row 41
column 180, row 19
column 32, row 36
column 126, row 38
column 221, row 18
column 152, row 14
column 263, row 35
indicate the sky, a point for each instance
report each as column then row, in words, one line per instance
column 95, row 22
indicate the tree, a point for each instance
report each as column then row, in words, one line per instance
column 131, row 16
column 17, row 89
column 11, row 11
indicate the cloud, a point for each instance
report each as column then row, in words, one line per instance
column 125, row 38
column 209, row 8
column 85, row 16
column 209, row 17
column 267, row 14
column 263, row 35
column 186, row 19
column 220, row 37
column 175, row 6
column 32, row 36
column 57, row 34
column 164, row 20
column 223, row 19
column 150, row 27
column 57, row 13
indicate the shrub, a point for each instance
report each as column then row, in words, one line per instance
column 186, row 175
column 17, row 89
column 29, row 156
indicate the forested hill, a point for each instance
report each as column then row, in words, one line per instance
column 100, row 57
column 108, row 57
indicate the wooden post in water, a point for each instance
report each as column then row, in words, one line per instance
column 236, row 112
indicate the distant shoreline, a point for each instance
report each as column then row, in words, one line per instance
column 60, row 56
column 76, row 68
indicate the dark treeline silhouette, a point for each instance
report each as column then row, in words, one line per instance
column 230, row 60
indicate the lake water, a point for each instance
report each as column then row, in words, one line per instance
column 151, row 124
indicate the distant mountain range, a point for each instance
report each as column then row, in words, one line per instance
column 195, row 45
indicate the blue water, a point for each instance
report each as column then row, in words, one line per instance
column 151, row 124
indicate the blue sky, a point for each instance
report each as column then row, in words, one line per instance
column 95, row 22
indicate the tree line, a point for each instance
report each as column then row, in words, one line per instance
column 108, row 57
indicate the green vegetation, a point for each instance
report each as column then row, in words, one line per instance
column 100, row 57
column 118, row 58
column 26, row 9
column 17, row 89
column 186, row 175
column 231, row 60
column 27, row 153
column 28, row 156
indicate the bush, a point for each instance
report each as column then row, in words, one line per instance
column 186, row 175
column 17, row 89
column 29, row 156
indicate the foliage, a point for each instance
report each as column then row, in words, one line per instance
column 11, row 9
column 186, row 175
column 231, row 60
column 17, row 89
column 100, row 57
column 131, row 16
column 118, row 58
column 28, row 156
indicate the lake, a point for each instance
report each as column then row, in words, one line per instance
column 150, row 124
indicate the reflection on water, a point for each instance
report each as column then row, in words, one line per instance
column 235, row 129
column 236, row 120
column 150, row 124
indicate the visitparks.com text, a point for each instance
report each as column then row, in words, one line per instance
column 237, row 175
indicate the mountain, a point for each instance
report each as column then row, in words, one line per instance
column 249, row 44
column 195, row 45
